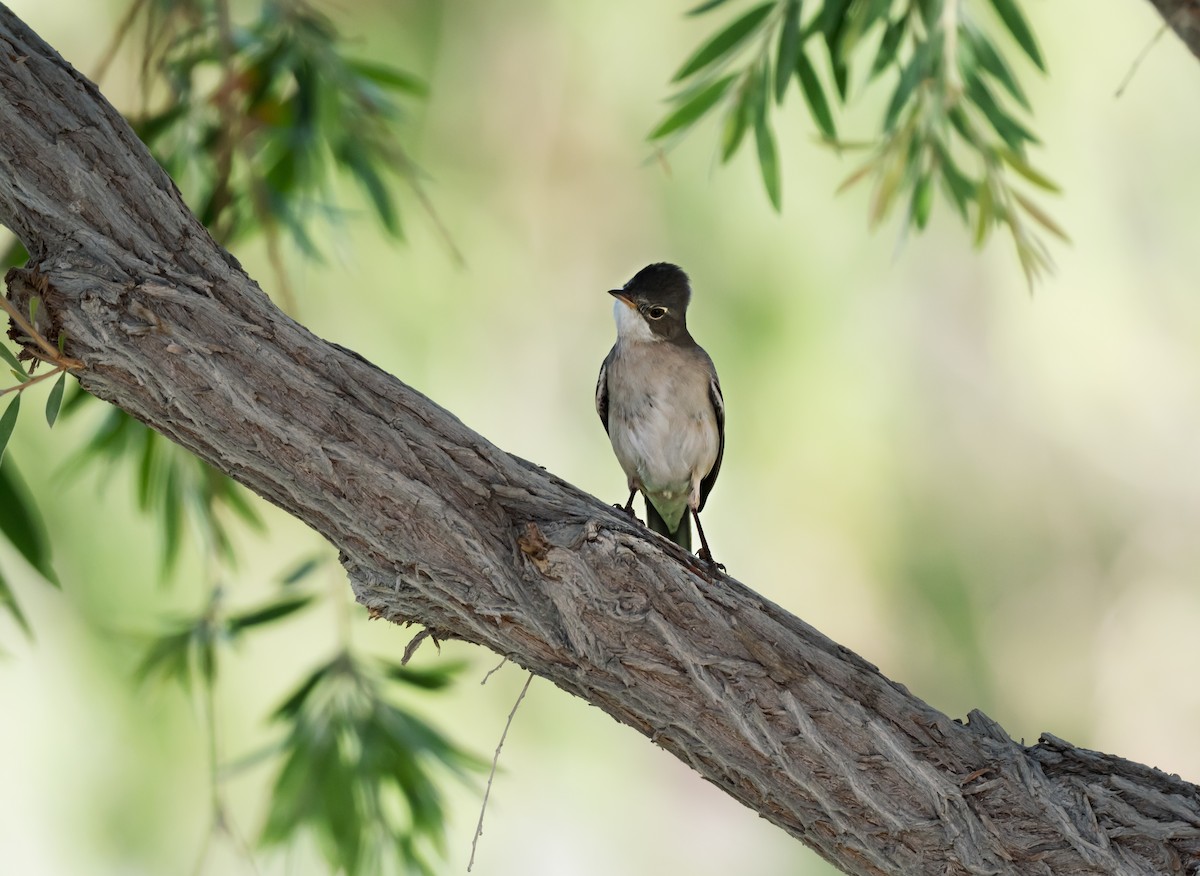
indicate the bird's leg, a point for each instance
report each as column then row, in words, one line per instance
column 704, row 553
column 628, row 506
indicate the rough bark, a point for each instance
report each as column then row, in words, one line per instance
column 436, row 526
column 1184, row 18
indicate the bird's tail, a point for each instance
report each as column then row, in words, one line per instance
column 682, row 536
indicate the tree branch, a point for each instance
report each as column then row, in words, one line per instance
column 1184, row 18
column 437, row 526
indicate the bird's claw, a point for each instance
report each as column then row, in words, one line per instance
column 628, row 509
column 706, row 557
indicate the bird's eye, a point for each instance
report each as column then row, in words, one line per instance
column 656, row 312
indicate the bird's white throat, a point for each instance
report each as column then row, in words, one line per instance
column 631, row 326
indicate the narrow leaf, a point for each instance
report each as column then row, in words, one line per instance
column 1021, row 166
column 1041, row 217
column 991, row 61
column 768, row 160
column 789, row 48
column 724, row 42
column 913, row 73
column 831, row 19
column 814, row 95
column 699, row 103
column 736, row 120
column 391, row 77
column 856, row 177
column 958, row 186
column 300, row 572
column 889, row 45
column 21, row 523
column 983, row 222
column 1010, row 13
column 434, row 678
column 12, row 360
column 54, row 400
column 705, row 7
column 1010, row 130
column 8, row 421
column 922, row 201
column 269, row 613
column 9, row 602
column 34, row 302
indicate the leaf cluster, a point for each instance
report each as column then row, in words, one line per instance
column 355, row 770
column 20, row 521
column 358, row 772
column 178, row 488
column 951, row 123
column 261, row 119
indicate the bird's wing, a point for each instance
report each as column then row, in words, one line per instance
column 602, row 390
column 718, row 404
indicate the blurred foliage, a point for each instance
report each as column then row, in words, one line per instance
column 259, row 120
column 356, row 769
column 950, row 123
column 256, row 122
column 170, row 483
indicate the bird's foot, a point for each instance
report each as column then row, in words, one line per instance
column 628, row 509
column 706, row 557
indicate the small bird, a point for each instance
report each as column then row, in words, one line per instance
column 661, row 404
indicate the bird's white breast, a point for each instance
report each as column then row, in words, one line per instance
column 661, row 420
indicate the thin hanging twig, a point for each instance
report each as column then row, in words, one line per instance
column 495, row 760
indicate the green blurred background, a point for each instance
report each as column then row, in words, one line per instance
column 991, row 494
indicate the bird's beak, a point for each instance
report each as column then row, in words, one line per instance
column 620, row 295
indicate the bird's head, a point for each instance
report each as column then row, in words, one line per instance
column 653, row 305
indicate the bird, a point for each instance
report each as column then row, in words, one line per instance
column 660, row 401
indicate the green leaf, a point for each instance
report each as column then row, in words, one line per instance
column 991, row 61
column 301, row 571
column 1010, row 130
column 987, row 215
column 922, row 200
column 789, row 48
column 889, row 45
column 391, row 77
column 268, row 613
column 705, row 7
column 958, row 186
column 736, row 120
column 930, row 10
column 291, row 707
column 1041, row 217
column 433, row 678
column 831, row 19
column 697, row 105
column 353, row 157
column 768, row 160
column 1021, row 166
column 814, row 96
column 54, row 400
column 169, row 657
column 9, row 421
column 34, row 302
column 1014, row 20
column 12, row 360
column 914, row 72
column 9, row 602
column 724, row 42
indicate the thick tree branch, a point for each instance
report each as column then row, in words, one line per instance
column 1184, row 18
column 436, row 526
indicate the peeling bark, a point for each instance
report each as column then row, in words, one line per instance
column 437, row 526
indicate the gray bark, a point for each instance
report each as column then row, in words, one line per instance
column 438, row 527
